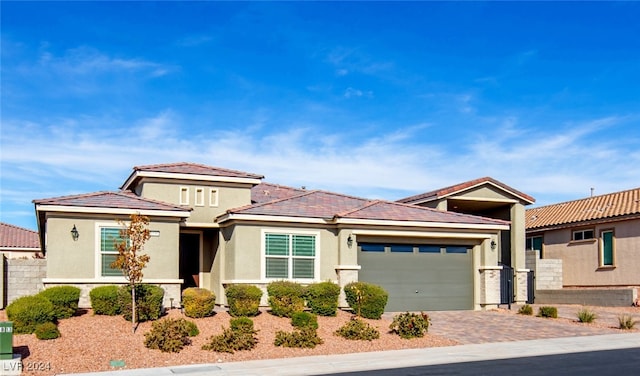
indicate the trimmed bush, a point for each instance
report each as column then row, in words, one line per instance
column 198, row 302
column 586, row 315
column 322, row 298
column 356, row 329
column 548, row 312
column 64, row 298
column 170, row 335
column 104, row 300
column 148, row 302
column 240, row 336
column 367, row 300
column 243, row 300
column 304, row 320
column 626, row 322
column 47, row 330
column 29, row 311
column 285, row 298
column 526, row 310
column 410, row 325
column 301, row 338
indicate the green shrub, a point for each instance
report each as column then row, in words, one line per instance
column 526, row 310
column 198, row 302
column 299, row 338
column 240, row 336
column 64, row 298
column 586, row 315
column 357, row 329
column 410, row 325
column 285, row 298
column 549, row 312
column 243, row 300
column 47, row 330
column 626, row 322
column 148, row 302
column 104, row 300
column 170, row 335
column 322, row 298
column 29, row 311
column 304, row 320
column 367, row 300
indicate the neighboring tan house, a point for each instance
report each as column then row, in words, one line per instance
column 212, row 227
column 489, row 198
column 18, row 242
column 597, row 238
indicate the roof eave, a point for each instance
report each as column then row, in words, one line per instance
column 128, row 184
column 108, row 210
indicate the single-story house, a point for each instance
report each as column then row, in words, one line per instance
column 212, row 227
column 18, row 242
column 597, row 238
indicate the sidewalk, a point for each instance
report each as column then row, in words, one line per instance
column 318, row 365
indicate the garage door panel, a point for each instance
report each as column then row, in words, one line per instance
column 421, row 281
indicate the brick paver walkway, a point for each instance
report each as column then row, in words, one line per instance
column 469, row 327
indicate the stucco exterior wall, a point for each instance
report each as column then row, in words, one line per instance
column 581, row 259
column 229, row 196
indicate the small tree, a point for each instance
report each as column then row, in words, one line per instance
column 130, row 258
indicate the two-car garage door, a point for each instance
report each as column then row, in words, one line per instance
column 419, row 277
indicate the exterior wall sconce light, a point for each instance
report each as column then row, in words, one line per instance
column 493, row 244
column 349, row 241
column 74, row 233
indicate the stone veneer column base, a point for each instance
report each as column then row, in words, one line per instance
column 346, row 274
column 489, row 287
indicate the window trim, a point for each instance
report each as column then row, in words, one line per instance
column 290, row 257
column 98, row 251
column 591, row 239
column 601, row 264
column 214, row 202
column 199, row 199
column 186, row 196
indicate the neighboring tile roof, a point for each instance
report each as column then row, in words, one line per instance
column 196, row 169
column 107, row 199
column 608, row 206
column 328, row 205
column 447, row 191
column 265, row 192
column 17, row 237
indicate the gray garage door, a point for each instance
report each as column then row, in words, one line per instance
column 421, row 277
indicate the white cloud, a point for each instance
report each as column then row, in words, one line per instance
column 351, row 93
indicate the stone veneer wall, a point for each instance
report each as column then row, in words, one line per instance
column 490, row 287
column 548, row 272
column 23, row 277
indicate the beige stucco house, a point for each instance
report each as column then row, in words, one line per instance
column 597, row 238
column 212, row 227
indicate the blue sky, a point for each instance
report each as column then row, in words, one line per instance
column 374, row 99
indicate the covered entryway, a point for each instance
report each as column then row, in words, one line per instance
column 190, row 244
column 420, row 277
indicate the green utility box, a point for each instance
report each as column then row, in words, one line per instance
column 6, row 340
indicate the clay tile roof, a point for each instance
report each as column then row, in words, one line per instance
column 394, row 211
column 447, row 191
column 328, row 205
column 17, row 237
column 607, row 206
column 107, row 199
column 265, row 192
column 196, row 169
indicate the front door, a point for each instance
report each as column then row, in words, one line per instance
column 190, row 259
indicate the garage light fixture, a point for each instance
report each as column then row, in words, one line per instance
column 349, row 241
column 74, row 233
column 493, row 244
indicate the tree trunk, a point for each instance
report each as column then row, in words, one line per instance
column 133, row 308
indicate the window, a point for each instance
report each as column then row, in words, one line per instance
column 213, row 197
column 184, row 195
column 607, row 248
column 402, row 248
column 429, row 249
column 583, row 235
column 199, row 196
column 109, row 237
column 534, row 243
column 371, row 247
column 290, row 256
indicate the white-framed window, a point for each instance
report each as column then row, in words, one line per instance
column 184, row 195
column 585, row 234
column 607, row 248
column 199, row 197
column 108, row 237
column 213, row 196
column 290, row 255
